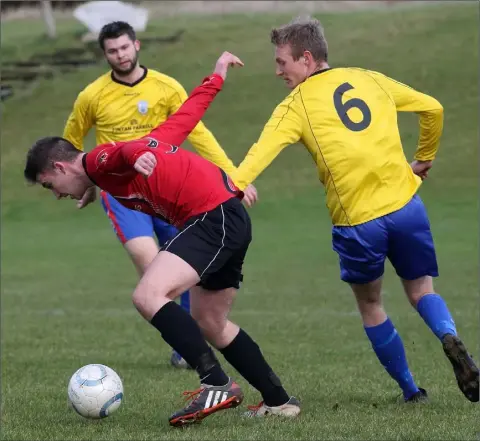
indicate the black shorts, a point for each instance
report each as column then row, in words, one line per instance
column 215, row 244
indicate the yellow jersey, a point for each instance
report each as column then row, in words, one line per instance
column 121, row 112
column 347, row 119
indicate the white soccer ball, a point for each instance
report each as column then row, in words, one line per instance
column 95, row 391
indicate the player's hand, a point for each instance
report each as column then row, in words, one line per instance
column 250, row 196
column 89, row 196
column 145, row 164
column 421, row 168
column 225, row 61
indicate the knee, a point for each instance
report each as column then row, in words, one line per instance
column 210, row 325
column 415, row 297
column 139, row 300
column 369, row 295
column 416, row 289
column 369, row 302
column 148, row 301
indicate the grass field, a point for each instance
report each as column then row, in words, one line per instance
column 66, row 282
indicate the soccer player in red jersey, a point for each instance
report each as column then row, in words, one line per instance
column 153, row 175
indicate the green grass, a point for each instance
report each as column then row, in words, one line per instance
column 66, row 282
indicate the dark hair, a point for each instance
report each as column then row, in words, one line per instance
column 45, row 152
column 302, row 34
column 115, row 29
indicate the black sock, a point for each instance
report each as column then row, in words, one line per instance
column 245, row 356
column 182, row 333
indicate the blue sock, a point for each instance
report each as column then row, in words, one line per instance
column 388, row 347
column 434, row 311
column 185, row 301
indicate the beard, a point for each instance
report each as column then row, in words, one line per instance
column 127, row 71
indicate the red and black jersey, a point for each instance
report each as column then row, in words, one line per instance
column 182, row 184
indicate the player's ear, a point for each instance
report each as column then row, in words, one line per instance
column 136, row 43
column 59, row 167
column 307, row 58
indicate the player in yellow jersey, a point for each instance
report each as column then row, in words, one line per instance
column 127, row 103
column 347, row 119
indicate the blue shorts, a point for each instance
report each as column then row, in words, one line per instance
column 129, row 224
column 404, row 237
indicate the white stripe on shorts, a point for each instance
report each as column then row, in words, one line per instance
column 183, row 231
column 223, row 239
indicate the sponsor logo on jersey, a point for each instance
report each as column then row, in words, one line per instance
column 133, row 128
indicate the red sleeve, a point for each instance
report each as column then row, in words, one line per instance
column 130, row 151
column 179, row 125
column 114, row 158
column 105, row 158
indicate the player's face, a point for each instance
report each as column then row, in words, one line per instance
column 122, row 54
column 292, row 71
column 62, row 182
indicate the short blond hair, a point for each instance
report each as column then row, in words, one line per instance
column 302, row 34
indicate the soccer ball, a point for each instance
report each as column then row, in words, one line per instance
column 95, row 391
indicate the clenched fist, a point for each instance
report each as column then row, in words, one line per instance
column 145, row 164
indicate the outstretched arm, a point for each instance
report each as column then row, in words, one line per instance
column 179, row 125
column 283, row 129
column 200, row 137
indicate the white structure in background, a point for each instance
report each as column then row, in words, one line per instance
column 48, row 17
column 98, row 13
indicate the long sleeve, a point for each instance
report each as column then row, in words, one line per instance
column 430, row 112
column 201, row 138
column 130, row 152
column 283, row 129
column 111, row 158
column 179, row 125
column 80, row 121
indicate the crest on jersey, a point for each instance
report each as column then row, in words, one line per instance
column 102, row 157
column 152, row 143
column 173, row 149
column 142, row 107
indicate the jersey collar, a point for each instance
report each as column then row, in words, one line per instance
column 84, row 163
column 320, row 71
column 123, row 83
